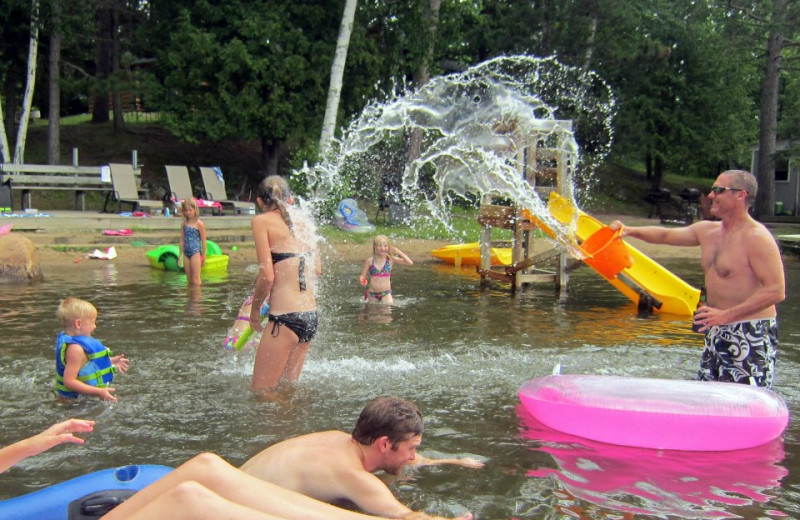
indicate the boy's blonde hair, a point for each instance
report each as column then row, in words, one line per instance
column 71, row 309
column 189, row 203
column 380, row 238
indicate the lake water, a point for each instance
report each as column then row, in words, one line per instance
column 459, row 352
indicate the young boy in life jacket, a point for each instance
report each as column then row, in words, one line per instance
column 83, row 364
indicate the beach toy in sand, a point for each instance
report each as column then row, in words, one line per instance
column 232, row 342
column 108, row 254
column 606, row 252
column 118, row 232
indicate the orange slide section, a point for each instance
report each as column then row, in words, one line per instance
column 643, row 280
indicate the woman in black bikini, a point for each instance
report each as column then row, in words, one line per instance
column 288, row 266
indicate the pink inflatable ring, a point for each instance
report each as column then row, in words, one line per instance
column 657, row 413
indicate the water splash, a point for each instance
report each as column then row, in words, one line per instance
column 475, row 126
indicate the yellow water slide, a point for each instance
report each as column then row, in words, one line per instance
column 645, row 282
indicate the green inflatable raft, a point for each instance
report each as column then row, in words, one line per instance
column 166, row 258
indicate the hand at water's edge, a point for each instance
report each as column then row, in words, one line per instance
column 63, row 431
column 107, row 394
column 56, row 434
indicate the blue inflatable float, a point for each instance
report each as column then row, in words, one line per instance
column 84, row 497
column 348, row 217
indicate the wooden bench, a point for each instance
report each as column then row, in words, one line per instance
column 28, row 177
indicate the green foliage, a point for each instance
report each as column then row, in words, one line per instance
column 684, row 95
column 249, row 70
column 686, row 74
column 15, row 23
column 789, row 122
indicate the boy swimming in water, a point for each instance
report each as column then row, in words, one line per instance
column 83, row 364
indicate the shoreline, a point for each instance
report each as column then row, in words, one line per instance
column 67, row 248
column 70, row 250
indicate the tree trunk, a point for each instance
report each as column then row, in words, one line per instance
column 30, row 83
column 547, row 27
column 119, row 115
column 337, row 71
column 102, row 65
column 767, row 139
column 590, row 43
column 9, row 104
column 424, row 74
column 5, row 153
column 648, row 164
column 658, row 174
column 271, row 150
column 6, row 122
column 54, row 88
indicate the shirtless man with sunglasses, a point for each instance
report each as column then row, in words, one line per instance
column 744, row 280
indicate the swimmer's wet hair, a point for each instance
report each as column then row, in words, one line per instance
column 71, row 309
column 388, row 416
column 274, row 193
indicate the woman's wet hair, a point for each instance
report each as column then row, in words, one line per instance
column 274, row 193
column 388, row 416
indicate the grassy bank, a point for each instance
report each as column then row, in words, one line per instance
column 618, row 189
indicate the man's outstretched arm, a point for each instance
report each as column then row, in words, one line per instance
column 466, row 462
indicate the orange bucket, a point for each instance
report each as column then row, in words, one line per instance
column 606, row 252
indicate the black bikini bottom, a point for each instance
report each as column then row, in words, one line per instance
column 304, row 324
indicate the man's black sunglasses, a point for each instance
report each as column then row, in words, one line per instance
column 719, row 190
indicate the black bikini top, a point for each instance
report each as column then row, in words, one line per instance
column 277, row 257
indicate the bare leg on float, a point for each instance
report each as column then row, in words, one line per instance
column 208, row 487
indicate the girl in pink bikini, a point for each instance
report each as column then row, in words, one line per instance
column 379, row 268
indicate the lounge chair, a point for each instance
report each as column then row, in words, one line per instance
column 215, row 190
column 180, row 187
column 125, row 191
